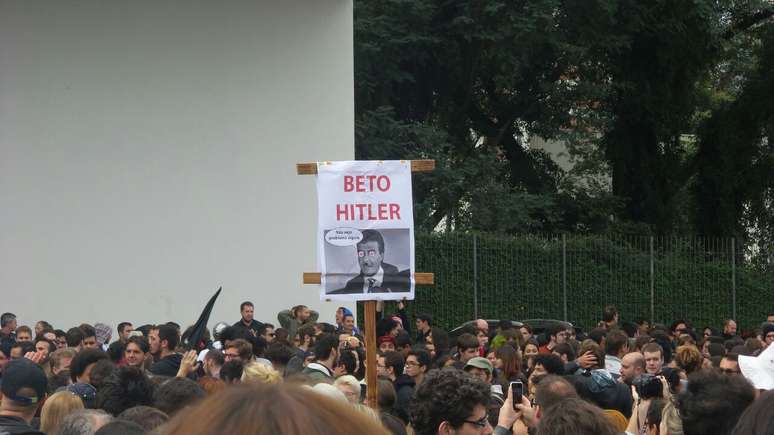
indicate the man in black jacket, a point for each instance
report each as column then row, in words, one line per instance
column 391, row 364
column 163, row 343
column 24, row 385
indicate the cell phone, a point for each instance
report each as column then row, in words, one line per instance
column 517, row 389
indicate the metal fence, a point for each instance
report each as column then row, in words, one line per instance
column 573, row 277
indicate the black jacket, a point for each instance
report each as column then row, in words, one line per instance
column 394, row 281
column 16, row 425
column 167, row 366
column 404, row 390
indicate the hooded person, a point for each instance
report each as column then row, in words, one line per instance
column 24, row 386
column 103, row 333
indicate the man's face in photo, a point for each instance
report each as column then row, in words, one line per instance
column 369, row 257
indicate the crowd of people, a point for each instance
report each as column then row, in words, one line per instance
column 303, row 376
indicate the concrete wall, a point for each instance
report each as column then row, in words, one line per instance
column 148, row 150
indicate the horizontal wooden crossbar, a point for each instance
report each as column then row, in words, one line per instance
column 419, row 277
column 416, row 166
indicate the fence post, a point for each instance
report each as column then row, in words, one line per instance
column 652, row 286
column 733, row 279
column 475, row 277
column 564, row 274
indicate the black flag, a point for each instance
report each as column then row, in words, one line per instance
column 201, row 325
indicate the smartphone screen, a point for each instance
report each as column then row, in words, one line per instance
column 517, row 389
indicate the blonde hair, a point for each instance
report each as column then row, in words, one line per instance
column 260, row 373
column 57, row 407
column 351, row 382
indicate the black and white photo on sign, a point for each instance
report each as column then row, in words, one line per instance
column 370, row 261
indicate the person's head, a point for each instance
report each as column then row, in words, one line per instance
column 101, row 371
column 24, row 385
column 688, row 358
column 424, row 322
column 632, row 366
column 729, row 327
column 74, row 338
column 168, row 338
column 370, row 252
column 467, row 346
column 481, row 368
column 148, row 417
column 482, row 325
column 213, row 361
column 450, row 401
column 348, row 323
column 610, row 315
column 279, row 409
column 124, row 328
column 592, row 346
column 729, row 364
column 531, row 348
column 8, row 323
column 551, row 390
column 21, row 348
column 175, row 394
column 84, row 422
column 136, row 351
column 712, row 403
column 257, row 373
column 391, row 365
column 89, row 336
column 547, row 364
column 417, row 363
column 386, row 343
column 578, row 414
column 60, row 360
column 231, row 372
column 45, row 347
column 758, row 418
column 556, row 334
column 238, row 349
column 564, row 351
column 128, row 387
column 350, row 387
column 654, row 357
column 246, row 309
column 616, row 343
column 507, row 360
column 121, row 427
column 82, row 364
column 767, row 333
column 56, row 408
column 326, row 350
column 23, row 333
column 61, row 338
column 526, row 332
column 267, row 332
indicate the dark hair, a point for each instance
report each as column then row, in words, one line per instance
column 216, row 355
column 373, row 236
column 440, row 340
column 673, row 326
column 6, row 319
column 245, row 304
column 24, row 328
column 384, row 326
column 127, row 388
column 583, row 417
column 630, row 328
column 83, row 359
column 88, row 331
column 59, row 333
column 121, row 326
column 279, row 354
column 609, row 313
column 446, row 395
column 403, row 339
column 51, row 345
column 326, row 328
column 116, row 351
column 425, row 317
column 615, row 342
column 656, row 408
column 231, row 333
column 652, row 348
column 264, row 327
column 713, row 403
column 464, row 342
column 551, row 390
column 565, row 349
column 422, row 356
column 259, row 345
column 394, row 360
column 120, row 427
column 324, row 346
column 74, row 337
column 145, row 329
column 552, row 330
column 141, row 342
column 348, row 360
column 758, row 418
column 175, row 394
column 306, row 330
column 716, row 349
column 552, row 363
column 231, row 371
column 243, row 347
column 386, row 396
column 101, row 371
column 25, row 346
column 168, row 333
column 148, row 417
column 597, row 334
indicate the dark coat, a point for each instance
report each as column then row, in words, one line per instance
column 16, row 426
column 167, row 366
column 394, row 282
column 404, row 390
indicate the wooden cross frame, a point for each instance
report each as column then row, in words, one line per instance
column 370, row 306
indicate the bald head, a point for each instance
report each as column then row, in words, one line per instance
column 482, row 325
column 632, row 366
column 551, row 390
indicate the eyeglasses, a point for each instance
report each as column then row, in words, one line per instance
column 482, row 422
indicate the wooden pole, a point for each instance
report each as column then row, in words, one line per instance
column 370, row 342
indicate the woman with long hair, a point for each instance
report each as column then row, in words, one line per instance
column 57, row 407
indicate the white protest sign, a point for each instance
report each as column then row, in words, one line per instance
column 365, row 237
column 759, row 370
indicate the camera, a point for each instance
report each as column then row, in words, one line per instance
column 648, row 386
